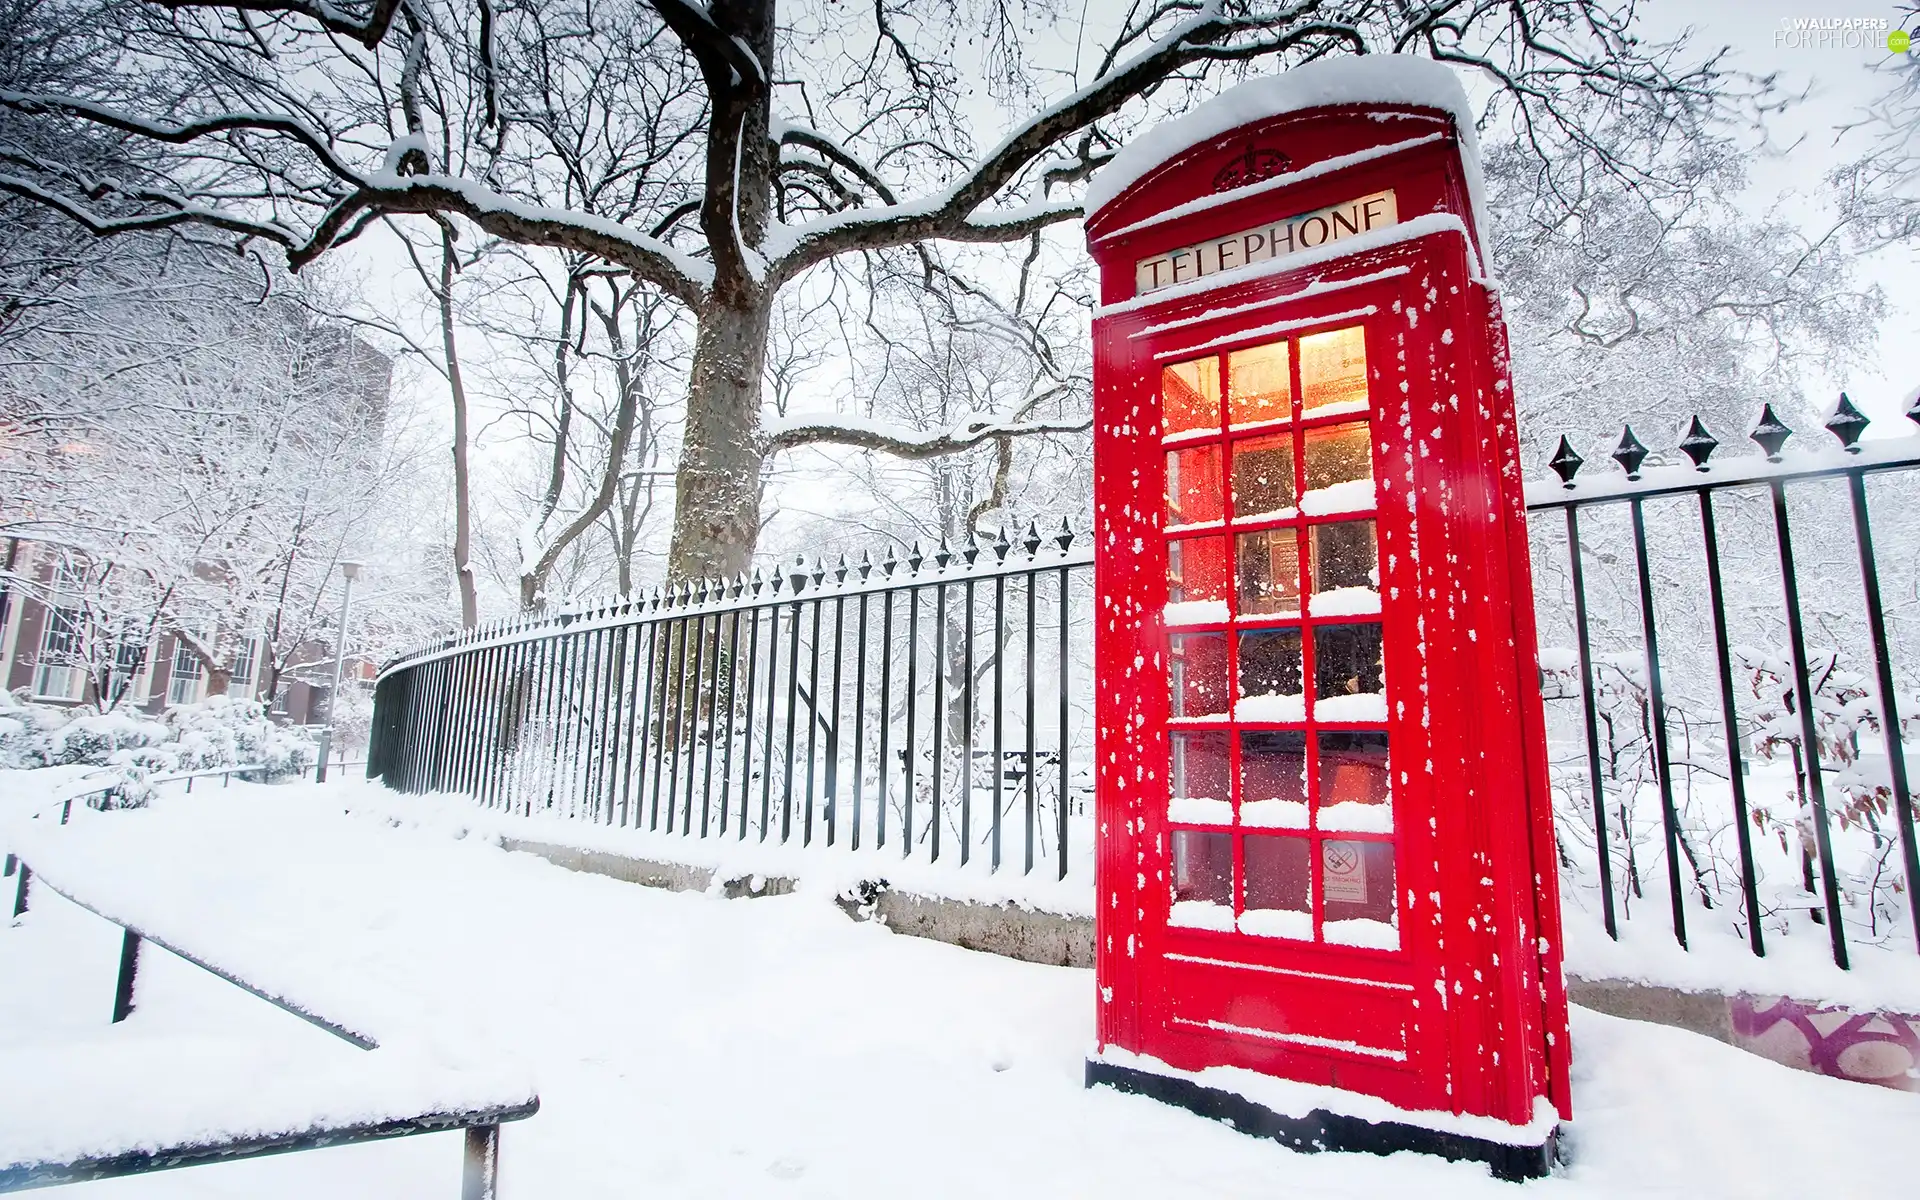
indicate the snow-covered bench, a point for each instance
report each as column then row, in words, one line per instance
column 99, row 1109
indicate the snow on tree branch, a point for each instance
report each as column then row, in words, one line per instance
column 902, row 442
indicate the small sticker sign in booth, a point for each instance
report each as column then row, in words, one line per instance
column 1325, row 859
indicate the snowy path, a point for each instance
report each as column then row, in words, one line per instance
column 688, row 1046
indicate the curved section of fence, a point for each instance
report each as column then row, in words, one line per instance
column 931, row 705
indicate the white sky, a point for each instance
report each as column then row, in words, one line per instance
column 1838, row 82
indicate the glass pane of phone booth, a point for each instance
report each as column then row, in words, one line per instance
column 1281, row 802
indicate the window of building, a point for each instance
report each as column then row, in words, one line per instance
column 186, row 676
column 57, row 673
column 246, row 662
column 131, row 671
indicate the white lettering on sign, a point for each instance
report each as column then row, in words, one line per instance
column 1277, row 240
column 1344, row 872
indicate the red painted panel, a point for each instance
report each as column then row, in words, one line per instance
column 1325, row 847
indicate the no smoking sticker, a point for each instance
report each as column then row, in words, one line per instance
column 1343, row 870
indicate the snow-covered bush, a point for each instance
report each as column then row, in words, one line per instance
column 218, row 732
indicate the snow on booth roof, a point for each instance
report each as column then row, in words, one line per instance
column 1361, row 79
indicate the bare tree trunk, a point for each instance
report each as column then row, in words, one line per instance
column 462, row 479
column 716, row 518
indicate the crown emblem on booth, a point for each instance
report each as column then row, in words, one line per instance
column 1251, row 165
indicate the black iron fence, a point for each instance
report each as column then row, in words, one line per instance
column 1726, row 674
column 935, row 703
column 1722, row 664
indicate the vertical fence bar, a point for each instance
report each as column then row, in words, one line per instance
column 608, row 718
column 906, row 743
column 1889, row 707
column 480, row 705
column 657, row 721
column 531, row 728
column 1809, row 735
column 558, row 650
column 1669, row 819
column 793, row 708
column 1061, row 805
column 677, row 732
column 733, row 708
column 833, row 708
column 559, row 782
column 939, row 715
column 746, row 732
column 1033, row 583
column 773, row 690
column 999, row 710
column 640, row 727
column 1603, row 850
column 713, row 717
column 813, row 721
column 593, row 729
column 966, row 723
column 1730, row 719
column 462, row 717
column 581, row 665
column 690, row 723
column 880, row 795
column 486, row 725
column 859, row 718
column 631, row 689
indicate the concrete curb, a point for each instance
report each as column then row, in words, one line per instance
column 1880, row 1048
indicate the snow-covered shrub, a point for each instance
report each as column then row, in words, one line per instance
column 24, row 730
column 98, row 738
column 218, row 732
column 221, row 731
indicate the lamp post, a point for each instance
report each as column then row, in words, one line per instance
column 352, row 572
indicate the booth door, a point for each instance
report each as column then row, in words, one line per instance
column 1289, row 848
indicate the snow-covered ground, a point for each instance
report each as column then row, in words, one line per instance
column 686, row 1045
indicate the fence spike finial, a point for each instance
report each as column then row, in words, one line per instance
column 819, row 571
column 866, row 564
column 1001, row 545
column 1772, row 433
column 1065, row 536
column 890, row 562
column 943, row 555
column 1630, row 453
column 1032, row 541
column 915, row 558
column 1847, row 423
column 840, row 572
column 1698, row 444
column 971, row 550
column 1913, row 410
column 1565, row 462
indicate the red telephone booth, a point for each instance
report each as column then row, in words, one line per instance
column 1325, row 862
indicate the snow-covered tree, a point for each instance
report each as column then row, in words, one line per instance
column 718, row 153
column 200, row 454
